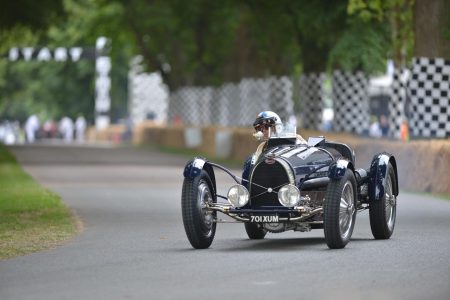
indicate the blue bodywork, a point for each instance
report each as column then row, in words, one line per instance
column 338, row 168
column 376, row 177
column 379, row 170
column 246, row 171
column 195, row 166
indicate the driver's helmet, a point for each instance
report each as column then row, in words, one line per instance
column 268, row 119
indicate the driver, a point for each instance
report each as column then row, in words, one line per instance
column 267, row 124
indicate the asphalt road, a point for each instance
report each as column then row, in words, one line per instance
column 133, row 245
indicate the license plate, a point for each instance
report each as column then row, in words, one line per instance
column 264, row 219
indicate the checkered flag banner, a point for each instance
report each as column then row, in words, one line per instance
column 351, row 102
column 397, row 104
column 429, row 92
column 311, row 99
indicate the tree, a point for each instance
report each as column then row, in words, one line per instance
column 202, row 42
column 186, row 42
column 389, row 22
column 361, row 47
column 37, row 15
column 317, row 26
column 432, row 28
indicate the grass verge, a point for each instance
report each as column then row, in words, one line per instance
column 32, row 218
column 439, row 196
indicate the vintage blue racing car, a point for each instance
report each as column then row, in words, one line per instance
column 293, row 186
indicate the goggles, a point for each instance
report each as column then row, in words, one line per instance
column 261, row 127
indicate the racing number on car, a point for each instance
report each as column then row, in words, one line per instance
column 264, row 219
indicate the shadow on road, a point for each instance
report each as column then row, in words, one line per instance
column 281, row 245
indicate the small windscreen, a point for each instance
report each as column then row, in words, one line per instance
column 285, row 134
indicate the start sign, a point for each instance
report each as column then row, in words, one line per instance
column 45, row 54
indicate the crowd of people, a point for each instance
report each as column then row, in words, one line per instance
column 32, row 130
column 69, row 131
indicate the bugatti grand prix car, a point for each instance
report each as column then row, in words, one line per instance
column 293, row 186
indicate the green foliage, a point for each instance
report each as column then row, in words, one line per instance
column 398, row 14
column 186, row 42
column 200, row 42
column 53, row 89
column 265, row 29
column 208, row 42
column 361, row 48
column 367, row 10
column 49, row 89
column 30, row 13
column 17, row 36
column 317, row 26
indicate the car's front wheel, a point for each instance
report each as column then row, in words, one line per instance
column 383, row 212
column 340, row 210
column 199, row 222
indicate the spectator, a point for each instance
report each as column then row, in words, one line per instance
column 374, row 130
column 66, row 129
column 80, row 128
column 404, row 130
column 50, row 129
column 31, row 127
column 128, row 133
column 384, row 125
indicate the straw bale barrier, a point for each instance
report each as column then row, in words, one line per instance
column 423, row 166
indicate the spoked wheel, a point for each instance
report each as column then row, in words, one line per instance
column 199, row 222
column 255, row 231
column 383, row 212
column 340, row 210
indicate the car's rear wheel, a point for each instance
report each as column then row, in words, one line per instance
column 199, row 222
column 340, row 210
column 383, row 212
column 255, row 231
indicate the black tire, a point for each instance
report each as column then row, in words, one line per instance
column 383, row 212
column 255, row 231
column 199, row 224
column 340, row 210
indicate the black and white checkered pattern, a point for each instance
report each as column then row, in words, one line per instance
column 397, row 105
column 311, row 99
column 351, row 102
column 429, row 92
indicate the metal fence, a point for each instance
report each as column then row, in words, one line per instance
column 148, row 95
column 232, row 104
